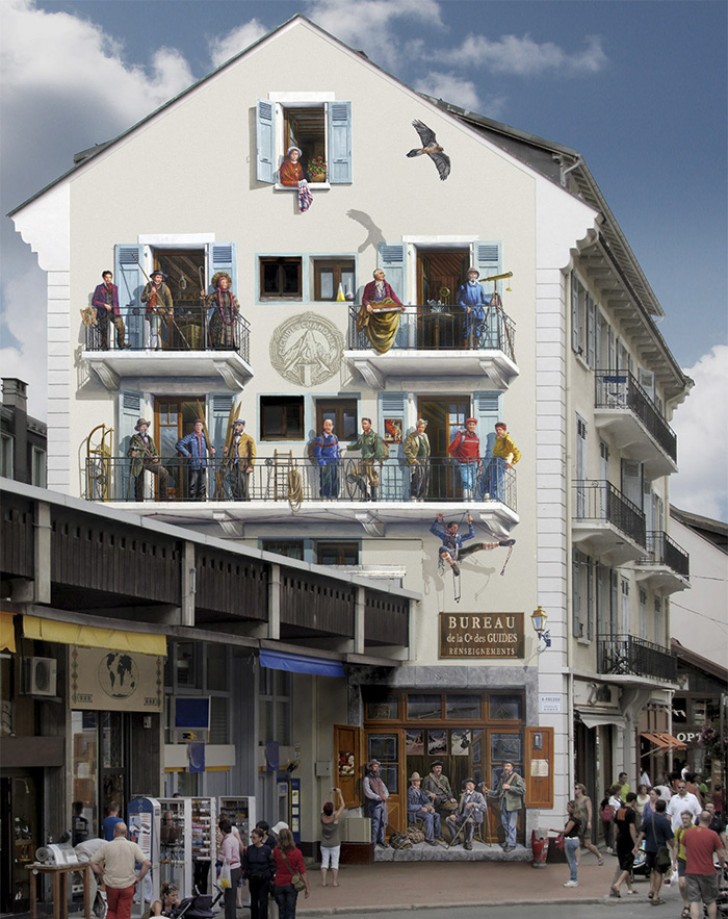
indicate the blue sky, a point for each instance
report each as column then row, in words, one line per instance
column 639, row 87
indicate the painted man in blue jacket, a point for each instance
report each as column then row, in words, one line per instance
column 472, row 300
column 196, row 449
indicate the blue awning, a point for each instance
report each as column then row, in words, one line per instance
column 299, row 663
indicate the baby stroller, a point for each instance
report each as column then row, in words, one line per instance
column 198, row 906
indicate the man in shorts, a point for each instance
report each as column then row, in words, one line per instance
column 657, row 834
column 700, row 874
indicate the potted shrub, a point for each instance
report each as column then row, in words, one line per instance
column 317, row 169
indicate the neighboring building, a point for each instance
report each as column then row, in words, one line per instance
column 24, row 439
column 699, row 629
column 573, row 362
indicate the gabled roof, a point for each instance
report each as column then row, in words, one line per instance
column 559, row 164
column 715, row 531
column 700, row 663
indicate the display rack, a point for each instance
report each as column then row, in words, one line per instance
column 175, row 844
column 240, row 811
column 203, row 830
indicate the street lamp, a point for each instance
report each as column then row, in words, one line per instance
column 538, row 621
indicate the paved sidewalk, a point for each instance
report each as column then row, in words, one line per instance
column 366, row 888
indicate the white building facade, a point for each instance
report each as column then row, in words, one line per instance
column 572, row 362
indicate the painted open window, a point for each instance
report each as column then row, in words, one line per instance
column 319, row 128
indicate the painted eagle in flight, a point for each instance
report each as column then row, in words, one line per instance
column 431, row 147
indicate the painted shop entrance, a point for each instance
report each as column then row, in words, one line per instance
column 472, row 734
column 444, row 417
column 440, row 272
column 185, row 272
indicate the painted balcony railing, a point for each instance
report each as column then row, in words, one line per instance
column 624, row 654
column 618, row 389
column 301, row 480
column 436, row 327
column 601, row 502
column 191, row 327
column 661, row 550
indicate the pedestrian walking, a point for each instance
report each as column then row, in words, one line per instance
column 290, row 875
column 625, row 822
column 585, row 812
column 259, row 869
column 230, row 851
column 659, row 843
column 701, row 844
column 114, row 862
column 571, row 843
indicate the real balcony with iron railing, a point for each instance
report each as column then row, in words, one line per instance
column 439, row 327
column 601, row 502
column 627, row 655
column 618, row 389
column 662, row 550
column 189, row 328
column 299, row 480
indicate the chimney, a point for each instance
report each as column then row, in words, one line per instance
column 15, row 394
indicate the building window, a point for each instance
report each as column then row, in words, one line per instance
column 6, row 457
column 342, row 412
column 281, row 418
column 329, row 552
column 275, row 706
column 320, row 127
column 583, row 322
column 330, row 275
column 38, row 469
column 291, row 548
column 281, row 278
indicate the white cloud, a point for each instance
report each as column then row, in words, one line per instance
column 28, row 326
column 223, row 47
column 451, row 88
column 701, row 425
column 367, row 24
column 522, row 56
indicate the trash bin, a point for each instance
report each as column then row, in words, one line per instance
column 539, row 847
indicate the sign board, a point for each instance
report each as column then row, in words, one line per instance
column 119, row 681
column 481, row 635
column 549, row 703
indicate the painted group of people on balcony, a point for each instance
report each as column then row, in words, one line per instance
column 482, row 478
column 219, row 309
column 381, row 308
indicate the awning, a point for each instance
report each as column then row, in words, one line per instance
column 601, row 719
column 664, row 741
column 7, row 633
column 299, row 663
column 86, row 636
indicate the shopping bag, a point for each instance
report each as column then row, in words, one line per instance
column 225, row 881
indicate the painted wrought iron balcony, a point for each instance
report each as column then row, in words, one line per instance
column 430, row 340
column 608, row 521
column 623, row 407
column 299, row 480
column 627, row 655
column 192, row 343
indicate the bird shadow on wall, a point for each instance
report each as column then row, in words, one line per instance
column 374, row 237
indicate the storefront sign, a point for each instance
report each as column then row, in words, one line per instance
column 116, row 680
column 492, row 635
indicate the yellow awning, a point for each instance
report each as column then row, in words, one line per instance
column 87, row 636
column 7, row 633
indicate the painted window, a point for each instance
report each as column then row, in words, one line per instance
column 281, row 418
column 333, row 552
column 331, row 275
column 342, row 412
column 281, row 278
column 320, row 129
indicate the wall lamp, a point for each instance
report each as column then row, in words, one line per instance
column 538, row 621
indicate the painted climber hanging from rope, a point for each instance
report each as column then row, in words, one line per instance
column 451, row 552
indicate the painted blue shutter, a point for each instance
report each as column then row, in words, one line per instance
column 265, row 123
column 391, row 259
column 340, row 168
column 395, row 474
column 130, row 280
column 129, row 411
column 222, row 258
column 487, row 409
column 488, row 262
